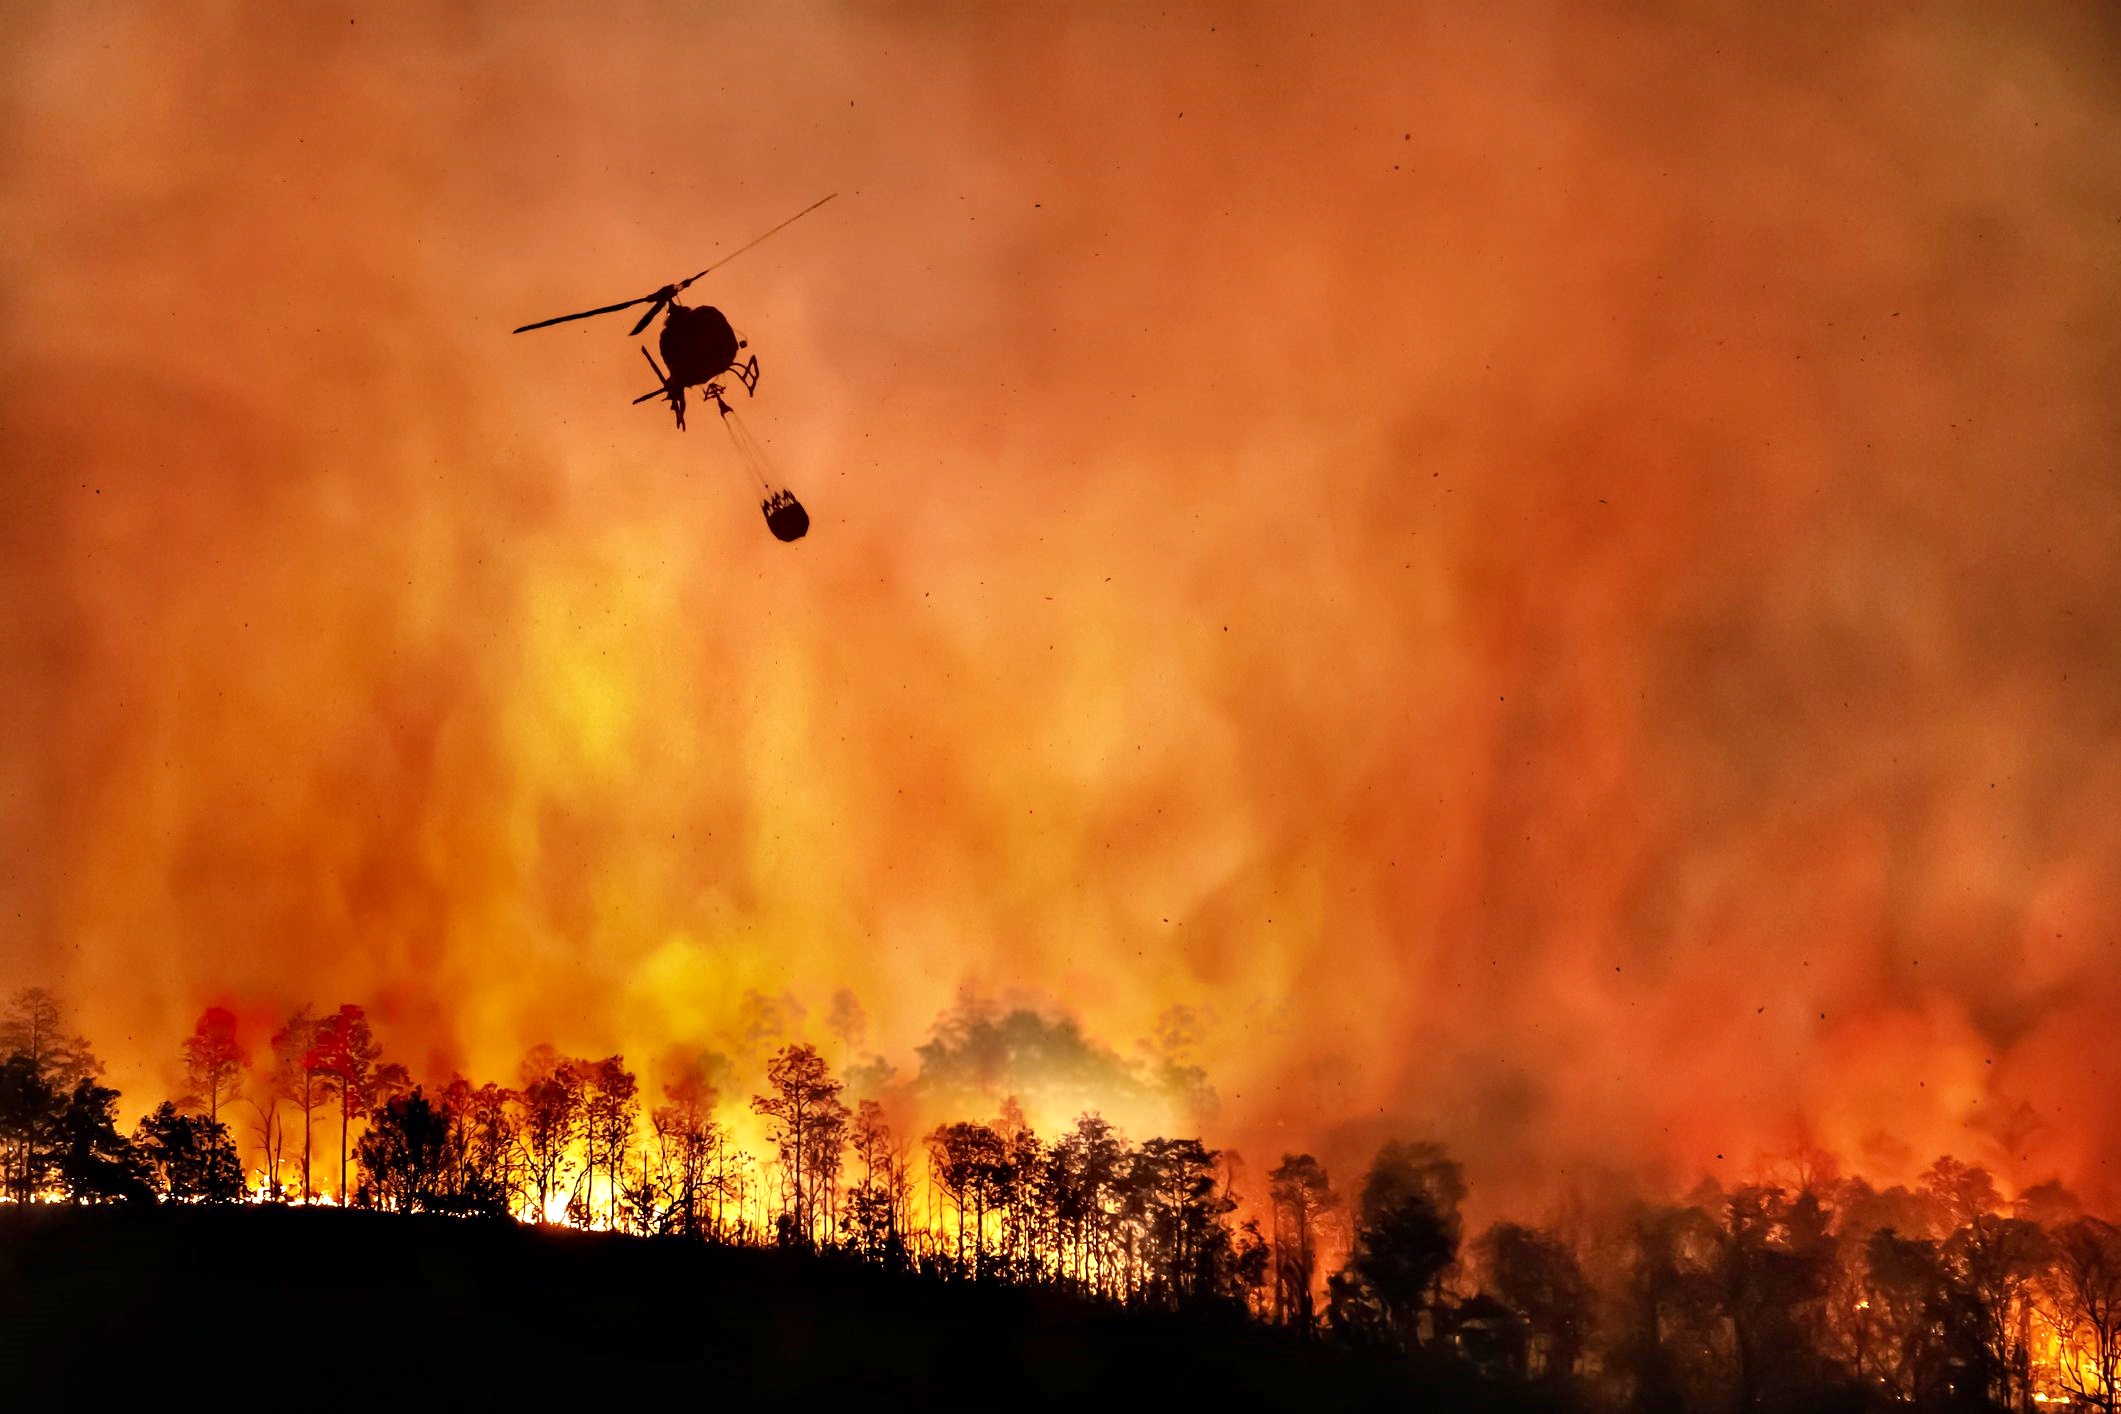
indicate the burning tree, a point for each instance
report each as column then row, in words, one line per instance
column 686, row 1137
column 1899, row 1319
column 29, row 1112
column 425, row 1156
column 2083, row 1306
column 294, row 1078
column 551, row 1120
column 50, row 1105
column 485, row 1136
column 1023, row 1189
column 610, row 1104
column 1992, row 1263
column 1406, row 1238
column 214, row 1059
column 408, row 1156
column 807, row 1117
column 1669, row 1345
column 873, row 1207
column 966, row 1159
column 1088, row 1162
column 1538, row 1278
column 1759, row 1297
column 1775, row 1263
column 1301, row 1196
column 343, row 1055
column 1185, row 1256
column 824, row 1155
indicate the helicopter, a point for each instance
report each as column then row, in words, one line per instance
column 700, row 348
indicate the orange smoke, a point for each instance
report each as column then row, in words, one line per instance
column 1541, row 577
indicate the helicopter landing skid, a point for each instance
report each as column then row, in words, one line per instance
column 747, row 373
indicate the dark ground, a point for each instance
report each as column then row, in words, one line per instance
column 321, row 1309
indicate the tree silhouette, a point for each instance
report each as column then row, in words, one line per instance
column 1185, row 1255
column 824, row 1153
column 1992, row 1263
column 552, row 1117
column 964, row 1158
column 1250, row 1254
column 264, row 1095
column 1671, row 1317
column 686, row 1135
column 97, row 1164
column 806, row 1114
column 294, row 1078
column 872, row 1212
column 388, row 1081
column 2083, row 1291
column 1536, row 1276
column 1022, row 1188
column 29, row 1110
column 610, row 1105
column 34, row 1026
column 1776, row 1260
column 343, row 1054
column 878, row 1218
column 410, row 1157
column 191, row 1158
column 1088, row 1162
column 214, row 1059
column 44, row 1065
column 1960, row 1194
column 1301, row 1198
column 484, row 1139
column 871, row 1136
column 1897, row 1321
column 1406, row 1238
column 1830, row 1294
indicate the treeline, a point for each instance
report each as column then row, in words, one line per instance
column 1807, row 1290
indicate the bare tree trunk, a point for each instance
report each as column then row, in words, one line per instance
column 799, row 1210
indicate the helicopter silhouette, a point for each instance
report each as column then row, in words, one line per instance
column 700, row 348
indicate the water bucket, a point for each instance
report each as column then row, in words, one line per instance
column 785, row 516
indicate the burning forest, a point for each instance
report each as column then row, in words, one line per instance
column 1803, row 1288
column 1444, row 681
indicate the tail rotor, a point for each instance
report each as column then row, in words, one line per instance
column 670, row 390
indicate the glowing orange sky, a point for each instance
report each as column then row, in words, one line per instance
column 1548, row 577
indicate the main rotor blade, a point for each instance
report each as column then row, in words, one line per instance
column 587, row 313
column 662, row 297
column 756, row 239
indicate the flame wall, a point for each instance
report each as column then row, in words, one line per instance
column 1542, row 576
